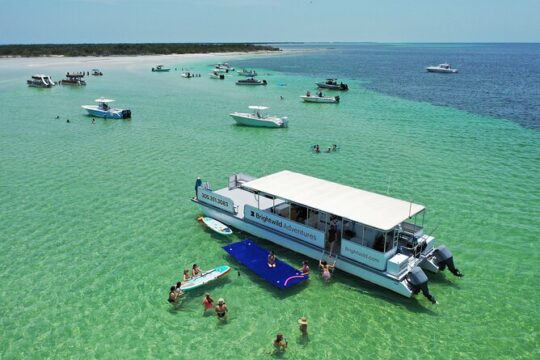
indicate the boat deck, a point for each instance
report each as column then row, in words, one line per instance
column 282, row 276
column 243, row 197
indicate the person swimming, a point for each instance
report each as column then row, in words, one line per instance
column 303, row 323
column 305, row 268
column 280, row 343
column 173, row 295
column 186, row 275
column 196, row 271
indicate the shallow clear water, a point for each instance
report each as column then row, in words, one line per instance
column 96, row 220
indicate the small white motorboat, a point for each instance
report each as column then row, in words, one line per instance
column 320, row 98
column 41, row 81
column 442, row 68
column 249, row 73
column 216, row 75
column 224, row 66
column 103, row 110
column 187, row 75
column 258, row 119
column 251, row 81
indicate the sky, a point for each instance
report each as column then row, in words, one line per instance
column 112, row 21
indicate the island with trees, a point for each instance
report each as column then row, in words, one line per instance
column 127, row 49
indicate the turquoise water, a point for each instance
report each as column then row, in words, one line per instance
column 96, row 220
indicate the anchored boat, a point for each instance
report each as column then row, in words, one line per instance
column 103, row 110
column 160, row 68
column 251, row 81
column 97, row 72
column 41, row 81
column 74, row 79
column 258, row 118
column 320, row 98
column 375, row 237
column 249, row 73
column 332, row 84
column 442, row 68
column 216, row 75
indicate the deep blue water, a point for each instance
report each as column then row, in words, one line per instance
column 498, row 80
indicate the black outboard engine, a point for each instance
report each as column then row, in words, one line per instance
column 126, row 114
column 337, row 98
column 444, row 259
column 418, row 281
column 264, row 82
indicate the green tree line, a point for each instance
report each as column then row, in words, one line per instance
column 125, row 49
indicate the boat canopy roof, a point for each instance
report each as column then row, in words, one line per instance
column 256, row 107
column 375, row 210
column 103, row 100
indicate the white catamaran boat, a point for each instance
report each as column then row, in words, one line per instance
column 375, row 237
column 103, row 110
column 41, row 81
column 442, row 68
column 259, row 119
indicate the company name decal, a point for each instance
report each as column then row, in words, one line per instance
column 360, row 254
column 284, row 225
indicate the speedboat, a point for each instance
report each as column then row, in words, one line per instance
column 41, row 81
column 97, row 72
column 257, row 118
column 442, row 68
column 216, row 75
column 187, row 75
column 251, row 81
column 249, row 73
column 332, row 84
column 74, row 79
column 103, row 110
column 160, row 68
column 224, row 66
column 320, row 98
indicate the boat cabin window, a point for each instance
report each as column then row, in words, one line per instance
column 382, row 241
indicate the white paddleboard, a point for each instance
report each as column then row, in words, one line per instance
column 216, row 226
column 205, row 278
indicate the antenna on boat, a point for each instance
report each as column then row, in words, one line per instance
column 410, row 208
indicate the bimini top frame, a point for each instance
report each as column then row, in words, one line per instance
column 368, row 208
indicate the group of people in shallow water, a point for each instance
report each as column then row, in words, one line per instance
column 317, row 149
column 326, row 268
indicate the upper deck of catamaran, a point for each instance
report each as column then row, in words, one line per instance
column 371, row 209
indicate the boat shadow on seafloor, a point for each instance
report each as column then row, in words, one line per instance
column 369, row 289
column 442, row 278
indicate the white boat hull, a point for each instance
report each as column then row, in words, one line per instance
column 441, row 70
column 268, row 122
column 320, row 99
column 94, row 110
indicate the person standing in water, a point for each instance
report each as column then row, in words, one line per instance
column 221, row 309
column 198, row 183
column 302, row 322
column 207, row 302
column 280, row 343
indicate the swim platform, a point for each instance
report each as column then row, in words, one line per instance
column 253, row 256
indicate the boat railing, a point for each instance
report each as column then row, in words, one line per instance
column 236, row 180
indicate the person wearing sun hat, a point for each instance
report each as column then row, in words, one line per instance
column 221, row 309
column 303, row 325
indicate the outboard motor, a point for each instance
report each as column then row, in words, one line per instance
column 444, row 259
column 264, row 82
column 337, row 98
column 126, row 114
column 418, row 281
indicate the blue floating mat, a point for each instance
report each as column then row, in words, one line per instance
column 282, row 276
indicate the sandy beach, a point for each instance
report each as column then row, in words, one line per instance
column 105, row 62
